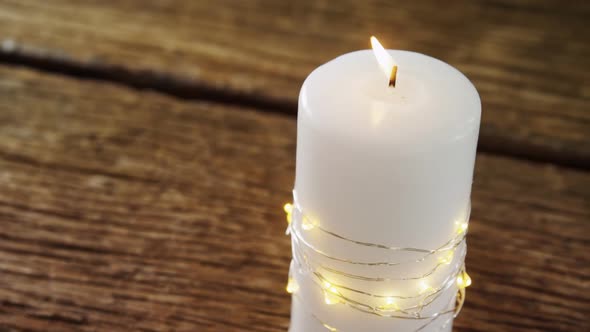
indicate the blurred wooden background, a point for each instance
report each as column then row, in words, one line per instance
column 146, row 149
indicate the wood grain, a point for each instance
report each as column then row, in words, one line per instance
column 529, row 59
column 133, row 211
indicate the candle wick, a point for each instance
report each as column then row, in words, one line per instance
column 393, row 77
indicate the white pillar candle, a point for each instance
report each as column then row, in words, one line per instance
column 385, row 165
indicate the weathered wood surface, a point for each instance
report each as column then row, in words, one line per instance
column 132, row 211
column 530, row 60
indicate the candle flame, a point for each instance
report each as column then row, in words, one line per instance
column 385, row 61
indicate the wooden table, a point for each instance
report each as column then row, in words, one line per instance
column 146, row 149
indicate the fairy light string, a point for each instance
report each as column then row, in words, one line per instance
column 383, row 305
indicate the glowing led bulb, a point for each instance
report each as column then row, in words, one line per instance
column 331, row 298
column 446, row 258
column 463, row 280
column 288, row 207
column 390, row 304
column 331, row 294
column 289, row 211
column 307, row 223
column 292, row 286
column 461, row 227
column 424, row 287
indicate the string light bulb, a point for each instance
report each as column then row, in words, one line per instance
column 447, row 258
column 289, row 211
column 461, row 227
column 390, row 304
column 424, row 287
column 308, row 223
column 463, row 280
column 292, row 286
column 331, row 298
column 331, row 293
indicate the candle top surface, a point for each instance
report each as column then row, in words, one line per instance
column 350, row 96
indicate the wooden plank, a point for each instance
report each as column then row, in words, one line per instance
column 529, row 59
column 123, row 210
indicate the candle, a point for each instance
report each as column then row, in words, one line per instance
column 383, row 163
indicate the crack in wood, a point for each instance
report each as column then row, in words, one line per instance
column 197, row 90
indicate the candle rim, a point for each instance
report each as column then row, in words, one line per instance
column 335, row 111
